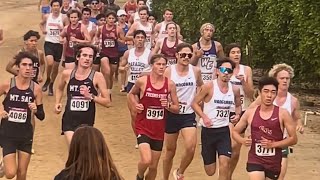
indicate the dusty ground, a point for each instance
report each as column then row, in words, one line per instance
column 50, row 147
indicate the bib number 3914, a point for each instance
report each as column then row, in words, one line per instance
column 18, row 115
column 79, row 104
column 155, row 114
column 261, row 151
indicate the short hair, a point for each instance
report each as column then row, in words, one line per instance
column 22, row 55
column 167, row 9
column 171, row 23
column 99, row 16
column 78, row 50
column 86, row 9
column 156, row 57
column 137, row 32
column 183, row 45
column 111, row 13
column 54, row 1
column 280, row 67
column 229, row 47
column 31, row 33
column 225, row 60
column 205, row 25
column 144, row 8
column 267, row 80
column 72, row 11
column 141, row 0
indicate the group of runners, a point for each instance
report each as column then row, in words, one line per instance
column 169, row 84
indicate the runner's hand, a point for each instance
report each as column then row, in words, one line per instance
column 139, row 108
column 4, row 114
column 58, row 108
column 248, row 141
column 206, row 121
column 32, row 107
column 73, row 39
column 198, row 53
column 300, row 128
column 85, row 91
column 164, row 102
column 240, row 77
column 234, row 119
column 266, row 143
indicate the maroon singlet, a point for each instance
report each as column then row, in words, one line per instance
column 169, row 53
column 70, row 45
column 109, row 42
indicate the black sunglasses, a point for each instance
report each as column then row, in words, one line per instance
column 184, row 55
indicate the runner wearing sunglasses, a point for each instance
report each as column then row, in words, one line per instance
column 206, row 51
column 187, row 78
column 218, row 97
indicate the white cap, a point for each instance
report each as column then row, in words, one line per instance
column 121, row 12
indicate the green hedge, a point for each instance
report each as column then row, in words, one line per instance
column 273, row 31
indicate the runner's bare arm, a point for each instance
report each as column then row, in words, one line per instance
column 220, row 52
column 4, row 88
column 156, row 49
column 40, row 114
column 290, row 126
column 43, row 23
column 62, row 83
column 197, row 72
column 167, row 72
column 10, row 68
column 124, row 61
column 87, row 37
column 135, row 91
column 255, row 103
column 200, row 96
column 296, row 114
column 157, row 30
column 104, row 98
column 65, row 20
column 173, row 106
column 237, row 101
column 196, row 55
column 131, row 31
column 42, row 64
column 122, row 39
column 240, row 126
column 63, row 35
column 98, row 34
column 248, row 83
column 1, row 36
column 93, row 32
column 179, row 35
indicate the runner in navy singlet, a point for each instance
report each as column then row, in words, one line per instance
column 267, row 123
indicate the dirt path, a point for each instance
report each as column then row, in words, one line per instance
column 50, row 147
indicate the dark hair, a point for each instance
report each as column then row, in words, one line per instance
column 266, row 80
column 171, row 23
column 54, row 1
column 72, row 11
column 31, row 33
column 167, row 9
column 152, row 14
column 141, row 0
column 78, row 50
column 22, row 55
column 137, row 32
column 89, row 156
column 183, row 45
column 156, row 57
column 111, row 13
column 231, row 46
column 225, row 60
column 86, row 10
column 142, row 8
column 99, row 16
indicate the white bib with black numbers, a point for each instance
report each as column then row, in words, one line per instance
column 261, row 151
column 79, row 103
column 155, row 113
column 18, row 115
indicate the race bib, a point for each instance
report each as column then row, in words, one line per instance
column 33, row 73
column 148, row 39
column 172, row 62
column 260, row 151
column 242, row 100
column 108, row 43
column 182, row 108
column 155, row 113
column 17, row 115
column 78, row 103
column 222, row 113
column 54, row 32
column 71, row 44
column 207, row 77
column 134, row 77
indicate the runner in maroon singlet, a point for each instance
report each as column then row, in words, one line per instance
column 267, row 123
column 167, row 46
column 111, row 34
column 153, row 90
column 74, row 33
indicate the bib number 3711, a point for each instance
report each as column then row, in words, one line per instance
column 261, row 151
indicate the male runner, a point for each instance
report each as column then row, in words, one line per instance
column 130, row 7
column 136, row 16
column 101, row 21
column 83, row 85
column 51, row 26
column 45, row 7
column 110, row 35
column 23, row 101
column 242, row 78
column 206, row 51
column 151, row 107
column 161, row 28
column 94, row 6
column 217, row 96
column 284, row 74
column 111, row 7
column 30, row 45
column 91, row 27
column 167, row 46
column 65, row 6
column 186, row 78
column 74, row 33
column 135, row 60
column 267, row 123
column 144, row 25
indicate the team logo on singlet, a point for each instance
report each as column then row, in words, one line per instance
column 208, row 62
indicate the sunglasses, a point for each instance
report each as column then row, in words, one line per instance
column 184, row 55
column 224, row 70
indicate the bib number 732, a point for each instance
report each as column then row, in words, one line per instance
column 222, row 113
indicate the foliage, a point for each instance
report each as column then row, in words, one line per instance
column 274, row 31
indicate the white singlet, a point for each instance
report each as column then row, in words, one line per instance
column 218, row 108
column 148, row 30
column 288, row 106
column 162, row 32
column 136, row 17
column 89, row 27
column 238, row 83
column 137, row 64
column 186, row 89
column 53, row 27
